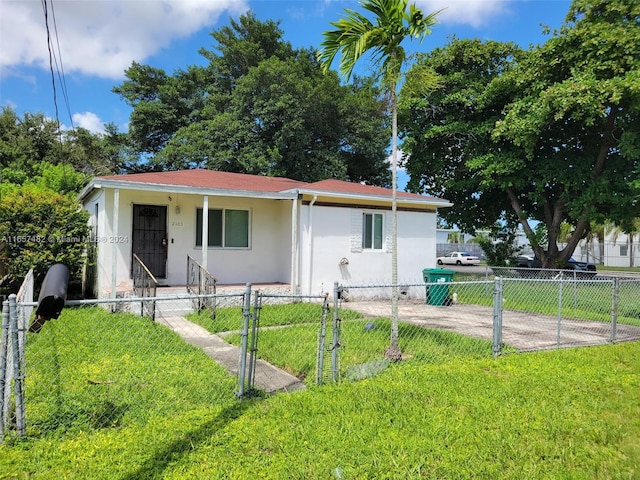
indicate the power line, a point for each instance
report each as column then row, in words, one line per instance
column 61, row 75
column 53, row 77
column 60, row 71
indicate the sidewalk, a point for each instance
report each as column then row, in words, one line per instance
column 268, row 378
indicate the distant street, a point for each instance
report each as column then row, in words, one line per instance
column 475, row 269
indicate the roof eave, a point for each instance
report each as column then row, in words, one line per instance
column 436, row 202
column 154, row 187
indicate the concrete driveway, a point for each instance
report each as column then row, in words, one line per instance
column 520, row 330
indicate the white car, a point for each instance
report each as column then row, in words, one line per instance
column 458, row 258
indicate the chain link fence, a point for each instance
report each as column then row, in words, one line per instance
column 105, row 359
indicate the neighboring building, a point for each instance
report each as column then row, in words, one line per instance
column 617, row 250
column 258, row 229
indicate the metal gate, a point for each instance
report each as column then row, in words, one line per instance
column 252, row 364
column 149, row 239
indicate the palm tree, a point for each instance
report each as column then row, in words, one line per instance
column 354, row 36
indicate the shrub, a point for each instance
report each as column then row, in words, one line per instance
column 39, row 227
column 501, row 249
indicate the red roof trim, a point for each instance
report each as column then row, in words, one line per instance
column 339, row 186
column 201, row 178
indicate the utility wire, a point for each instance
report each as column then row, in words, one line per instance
column 60, row 71
column 53, row 77
column 61, row 76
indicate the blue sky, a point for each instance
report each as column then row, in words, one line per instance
column 99, row 39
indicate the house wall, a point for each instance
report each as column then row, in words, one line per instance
column 95, row 270
column 324, row 245
column 267, row 260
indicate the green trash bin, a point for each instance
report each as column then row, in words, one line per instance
column 437, row 294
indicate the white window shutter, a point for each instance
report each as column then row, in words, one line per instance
column 356, row 230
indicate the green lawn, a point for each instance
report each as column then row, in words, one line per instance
column 117, row 397
column 294, row 348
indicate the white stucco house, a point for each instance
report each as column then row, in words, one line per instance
column 257, row 230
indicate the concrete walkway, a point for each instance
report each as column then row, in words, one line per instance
column 268, row 378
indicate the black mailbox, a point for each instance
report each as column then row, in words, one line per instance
column 53, row 295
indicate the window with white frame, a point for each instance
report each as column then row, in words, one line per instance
column 624, row 250
column 372, row 231
column 227, row 228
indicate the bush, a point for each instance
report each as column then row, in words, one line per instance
column 39, row 227
column 502, row 251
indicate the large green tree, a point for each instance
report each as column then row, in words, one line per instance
column 28, row 141
column 258, row 107
column 356, row 35
column 24, row 143
column 550, row 134
column 446, row 131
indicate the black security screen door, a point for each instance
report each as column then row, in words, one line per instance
column 150, row 237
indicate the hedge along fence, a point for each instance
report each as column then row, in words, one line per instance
column 92, row 367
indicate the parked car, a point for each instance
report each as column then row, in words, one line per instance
column 530, row 261
column 526, row 261
column 458, row 258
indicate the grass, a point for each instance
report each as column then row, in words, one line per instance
column 619, row 269
column 113, row 396
column 89, row 362
column 229, row 319
column 294, row 348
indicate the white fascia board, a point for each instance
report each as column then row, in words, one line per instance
column 86, row 191
column 161, row 187
column 439, row 203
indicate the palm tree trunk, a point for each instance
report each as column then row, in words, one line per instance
column 393, row 352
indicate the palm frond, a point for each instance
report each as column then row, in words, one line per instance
column 355, row 35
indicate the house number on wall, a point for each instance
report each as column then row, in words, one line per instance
column 176, row 224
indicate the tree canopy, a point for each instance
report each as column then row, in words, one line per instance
column 27, row 141
column 549, row 134
column 42, row 169
column 261, row 107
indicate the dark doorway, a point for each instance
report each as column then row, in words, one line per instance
column 150, row 237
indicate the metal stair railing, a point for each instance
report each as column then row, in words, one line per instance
column 144, row 285
column 201, row 282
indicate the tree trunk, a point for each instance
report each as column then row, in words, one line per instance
column 393, row 352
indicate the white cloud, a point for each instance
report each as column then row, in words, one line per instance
column 402, row 176
column 89, row 121
column 476, row 13
column 101, row 37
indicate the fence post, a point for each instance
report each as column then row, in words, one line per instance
column 18, row 373
column 615, row 301
column 4, row 398
column 335, row 358
column 497, row 316
column 246, row 315
column 254, row 340
column 322, row 334
column 559, row 309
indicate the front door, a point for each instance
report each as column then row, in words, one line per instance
column 150, row 237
